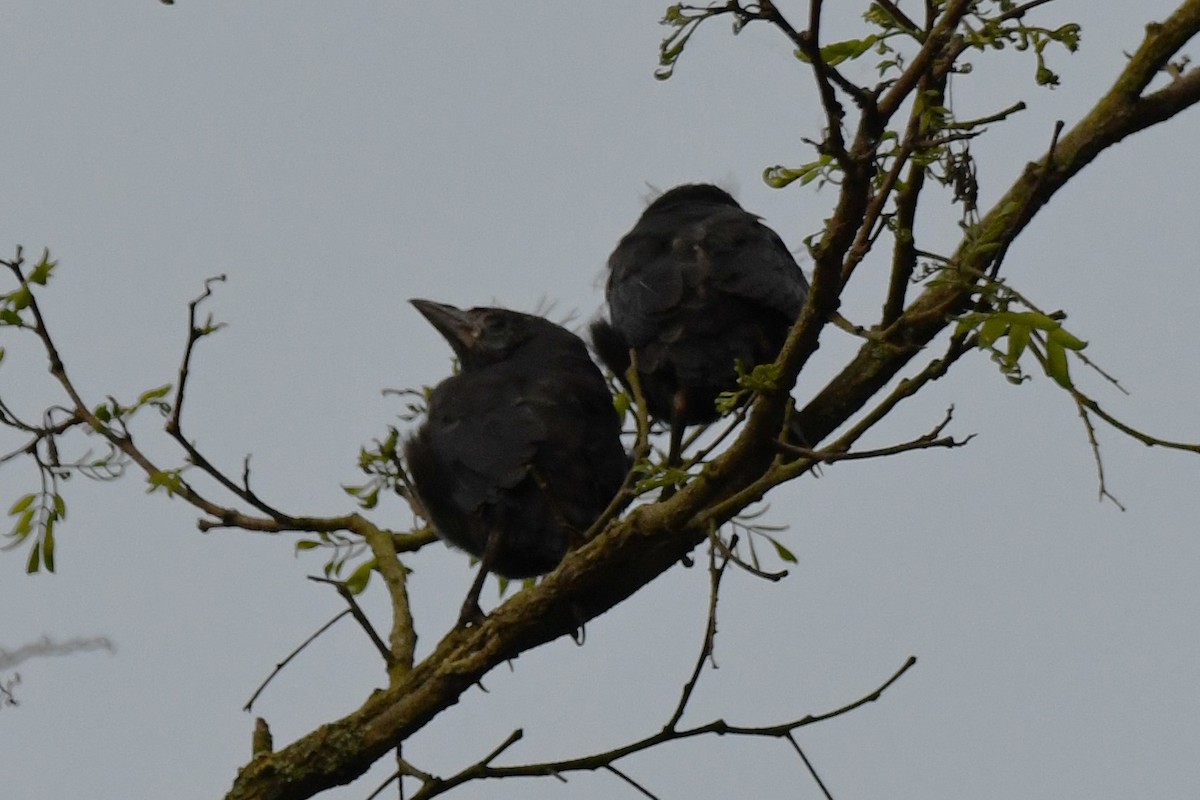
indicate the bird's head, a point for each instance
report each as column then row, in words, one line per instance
column 690, row 193
column 480, row 336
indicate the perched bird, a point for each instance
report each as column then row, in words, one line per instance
column 696, row 287
column 520, row 451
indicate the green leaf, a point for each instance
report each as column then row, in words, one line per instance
column 763, row 378
column 779, row 176
column 1034, row 319
column 20, row 299
column 41, row 273
column 360, row 577
column 622, row 403
column 48, row 545
column 1066, row 339
column 60, row 507
column 969, row 322
column 727, row 401
column 370, row 499
column 1045, row 76
column 1068, row 35
column 836, row 53
column 306, row 544
column 154, row 394
column 991, row 330
column 21, row 504
column 783, row 552
column 35, row 559
column 168, row 479
column 1018, row 340
column 24, row 524
column 10, row 317
column 1056, row 364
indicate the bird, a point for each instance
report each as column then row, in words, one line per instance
column 697, row 287
column 520, row 452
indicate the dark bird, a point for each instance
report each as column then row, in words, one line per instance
column 520, row 451
column 696, row 287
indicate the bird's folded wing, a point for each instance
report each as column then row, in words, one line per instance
column 489, row 449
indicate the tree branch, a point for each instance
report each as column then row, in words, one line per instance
column 395, row 578
column 359, row 617
column 483, row 770
column 716, row 570
column 279, row 666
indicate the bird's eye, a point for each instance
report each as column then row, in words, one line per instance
column 498, row 325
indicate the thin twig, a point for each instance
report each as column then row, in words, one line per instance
column 808, row 43
column 808, row 764
column 727, row 552
column 646, row 792
column 1044, row 168
column 395, row 776
column 641, row 449
column 279, row 667
column 715, row 572
column 1096, row 457
column 480, row 769
column 718, row 727
column 483, row 770
column 174, row 424
column 359, row 616
column 926, row 441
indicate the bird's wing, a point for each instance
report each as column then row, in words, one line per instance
column 485, row 435
column 645, row 288
column 747, row 259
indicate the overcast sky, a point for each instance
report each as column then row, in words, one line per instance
column 335, row 160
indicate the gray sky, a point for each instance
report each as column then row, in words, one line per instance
column 335, row 160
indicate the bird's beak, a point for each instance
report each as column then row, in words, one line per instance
column 456, row 325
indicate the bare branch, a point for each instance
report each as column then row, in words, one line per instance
column 808, row 764
column 1134, row 433
column 359, row 617
column 642, row 789
column 932, row 439
column 1096, row 457
column 174, row 424
column 808, row 43
column 727, row 552
column 480, row 769
column 433, row 786
column 718, row 727
column 716, row 570
column 279, row 667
